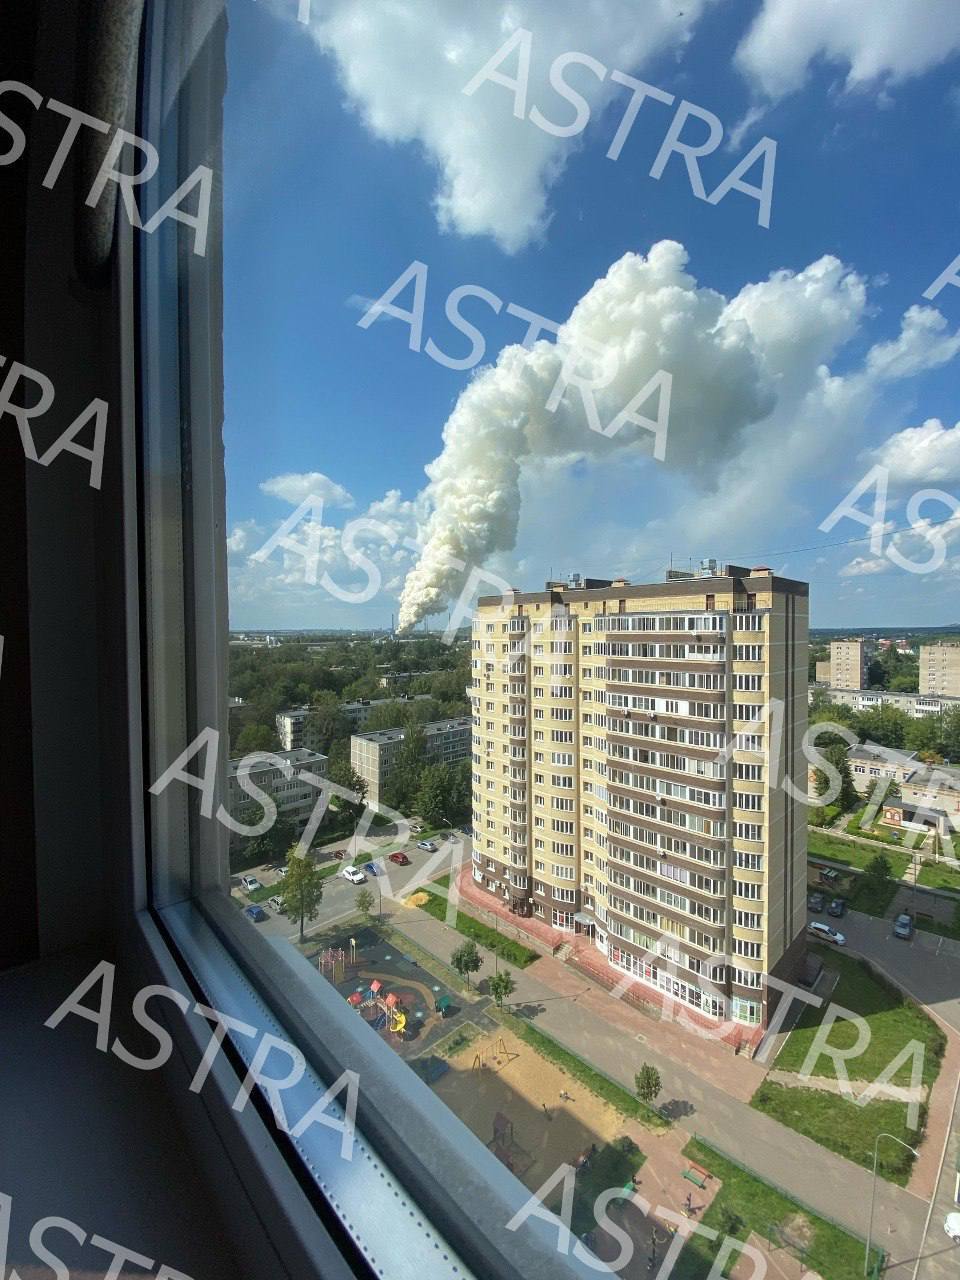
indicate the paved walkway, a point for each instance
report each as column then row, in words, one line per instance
column 830, row 1084
column 620, row 1039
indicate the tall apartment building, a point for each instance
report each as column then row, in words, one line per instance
column 373, row 755
column 296, row 796
column 623, row 781
column 940, row 669
column 848, row 664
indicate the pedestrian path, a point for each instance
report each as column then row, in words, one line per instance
column 617, row 1043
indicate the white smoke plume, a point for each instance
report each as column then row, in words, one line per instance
column 647, row 314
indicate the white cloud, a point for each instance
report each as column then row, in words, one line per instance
column 875, row 43
column 922, row 456
column 924, row 342
column 297, row 487
column 404, row 64
column 861, row 565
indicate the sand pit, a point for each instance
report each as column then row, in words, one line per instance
column 416, row 900
column 525, row 1089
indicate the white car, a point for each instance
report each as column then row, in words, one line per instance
column 951, row 1225
column 281, row 872
column 249, row 883
column 415, row 826
column 354, row 875
column 825, row 933
column 428, row 845
column 277, row 904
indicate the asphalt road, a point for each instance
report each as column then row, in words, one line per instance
column 339, row 895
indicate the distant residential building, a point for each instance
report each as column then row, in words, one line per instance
column 914, row 704
column 373, row 755
column 294, row 731
column 392, row 678
column 940, row 669
column 921, row 796
column 848, row 664
column 822, row 674
column 295, row 796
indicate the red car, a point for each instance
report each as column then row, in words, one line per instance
column 400, row 859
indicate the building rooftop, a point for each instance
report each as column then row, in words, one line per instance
column 734, row 578
column 381, row 736
column 300, row 755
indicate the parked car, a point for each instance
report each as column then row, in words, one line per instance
column 826, row 933
column 903, row 927
column 250, row 883
column 815, row 902
column 338, row 854
column 354, row 875
column 415, row 826
column 837, row 907
column 400, row 859
column 256, row 914
column 951, row 1225
column 371, row 868
column 276, row 903
column 829, row 876
column 282, row 871
column 427, row 845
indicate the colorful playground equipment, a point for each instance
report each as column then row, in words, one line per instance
column 389, row 1012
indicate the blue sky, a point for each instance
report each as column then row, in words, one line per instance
column 339, row 136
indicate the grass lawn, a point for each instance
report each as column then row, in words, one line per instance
column 744, row 1203
column 949, row 929
column 457, row 1040
column 515, row 952
column 820, row 845
column 871, row 897
column 619, row 1098
column 893, row 1022
column 886, row 835
column 613, row 1166
column 937, row 876
column 443, row 880
column 841, row 1126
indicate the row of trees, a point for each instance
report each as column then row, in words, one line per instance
column 935, row 738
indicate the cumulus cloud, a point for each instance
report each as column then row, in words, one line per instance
column 404, row 64
column 924, row 455
column 296, row 487
column 875, row 43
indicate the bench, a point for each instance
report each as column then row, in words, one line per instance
column 697, row 1176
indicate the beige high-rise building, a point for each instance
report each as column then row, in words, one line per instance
column 848, row 664
column 624, row 785
column 940, row 669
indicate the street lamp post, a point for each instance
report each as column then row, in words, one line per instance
column 873, row 1191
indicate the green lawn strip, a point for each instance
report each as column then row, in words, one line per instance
column 893, row 1021
column 263, row 893
column 746, row 1203
column 851, row 854
column 885, row 835
column 842, row 1126
column 515, row 952
column 444, row 881
column 449, row 977
column 458, row 1040
column 613, row 1166
column 619, row 1098
column 934, row 875
column 945, row 929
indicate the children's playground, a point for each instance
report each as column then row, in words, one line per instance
column 528, row 1112
column 405, row 1004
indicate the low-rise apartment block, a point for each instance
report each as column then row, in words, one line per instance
column 296, row 795
column 294, row 729
column 630, row 745
column 848, row 664
column 373, row 755
column 940, row 670
column 916, row 705
column 911, row 794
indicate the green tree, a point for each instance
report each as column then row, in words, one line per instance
column 272, row 844
column 951, row 733
column 255, row 737
column 848, row 798
column 364, row 902
column 878, row 870
column 886, row 726
column 647, row 1083
column 502, row 985
column 924, row 734
column 466, row 959
column 403, row 781
column 326, row 723
column 302, row 890
column 433, row 796
column 343, row 774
